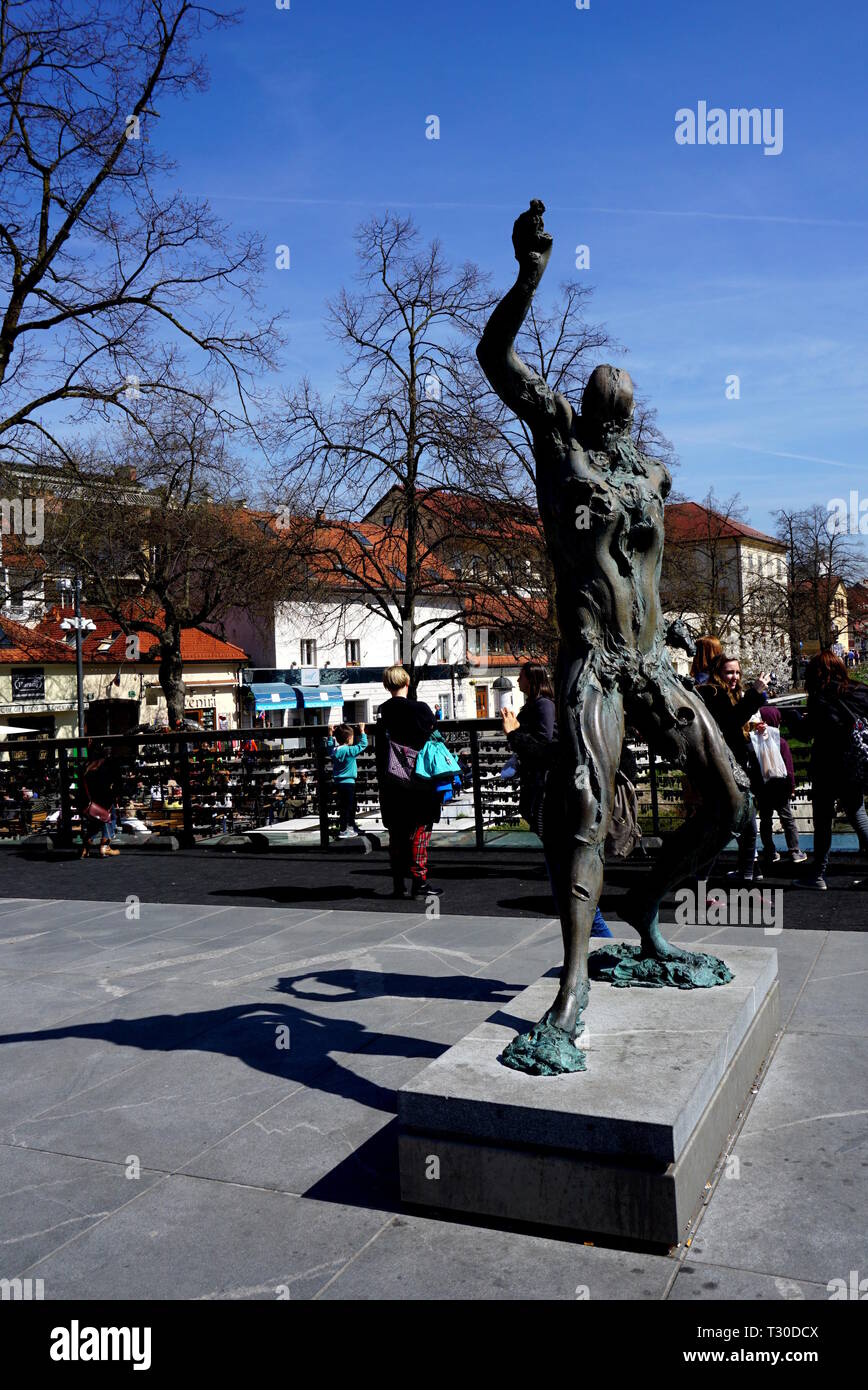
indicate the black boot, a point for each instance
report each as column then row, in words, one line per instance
column 399, row 889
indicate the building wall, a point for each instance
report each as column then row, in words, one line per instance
column 208, row 686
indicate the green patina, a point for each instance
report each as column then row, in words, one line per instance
column 624, row 965
column 547, row 1050
column 544, row 1050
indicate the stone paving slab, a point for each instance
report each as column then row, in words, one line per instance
column 698, row 1282
column 184, row 1238
column 796, row 1202
column 417, row 1257
column 47, row 1199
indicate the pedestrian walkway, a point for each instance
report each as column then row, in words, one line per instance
column 197, row 1101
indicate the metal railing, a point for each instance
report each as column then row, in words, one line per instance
column 199, row 783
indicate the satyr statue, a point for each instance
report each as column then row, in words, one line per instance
column 601, row 504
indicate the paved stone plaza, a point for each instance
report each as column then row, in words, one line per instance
column 159, row 1140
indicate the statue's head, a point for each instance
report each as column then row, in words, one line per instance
column 607, row 400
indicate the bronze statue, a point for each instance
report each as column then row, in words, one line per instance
column 601, row 505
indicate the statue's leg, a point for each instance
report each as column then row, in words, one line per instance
column 696, row 745
column 576, row 824
column 577, row 813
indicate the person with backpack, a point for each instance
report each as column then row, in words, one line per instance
column 836, row 718
column 344, row 752
column 408, row 807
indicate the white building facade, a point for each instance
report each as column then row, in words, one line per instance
column 323, row 662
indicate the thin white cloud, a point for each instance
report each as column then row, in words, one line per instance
column 379, row 201
column 780, row 454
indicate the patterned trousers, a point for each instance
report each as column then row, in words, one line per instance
column 408, row 851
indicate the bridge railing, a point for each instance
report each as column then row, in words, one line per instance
column 201, row 783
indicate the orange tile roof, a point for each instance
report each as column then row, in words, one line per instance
column 196, row 643
column 690, row 521
column 30, row 644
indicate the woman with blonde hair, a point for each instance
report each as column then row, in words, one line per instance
column 409, row 811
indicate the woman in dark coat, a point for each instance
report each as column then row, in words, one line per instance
column 101, row 784
column 732, row 707
column 835, row 704
column 408, row 810
column 532, row 736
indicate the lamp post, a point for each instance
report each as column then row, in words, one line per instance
column 78, row 625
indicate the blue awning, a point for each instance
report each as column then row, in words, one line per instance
column 318, row 696
column 274, row 695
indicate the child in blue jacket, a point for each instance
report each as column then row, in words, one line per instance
column 344, row 751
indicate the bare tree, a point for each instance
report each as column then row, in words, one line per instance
column 403, row 426
column 819, row 559
column 155, row 522
column 111, row 284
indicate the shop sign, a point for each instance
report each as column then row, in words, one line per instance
column 28, row 685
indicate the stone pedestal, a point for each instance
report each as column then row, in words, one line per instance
column 624, row 1149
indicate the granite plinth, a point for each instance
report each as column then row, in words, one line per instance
column 623, row 1149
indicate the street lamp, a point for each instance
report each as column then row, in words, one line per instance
column 78, row 625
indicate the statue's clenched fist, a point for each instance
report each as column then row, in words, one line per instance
column 531, row 242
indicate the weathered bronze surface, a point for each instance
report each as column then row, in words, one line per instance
column 601, row 504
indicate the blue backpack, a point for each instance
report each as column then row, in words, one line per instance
column 436, row 767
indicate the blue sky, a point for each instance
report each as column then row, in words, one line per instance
column 706, row 261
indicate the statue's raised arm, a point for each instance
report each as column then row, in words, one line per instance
column 523, row 390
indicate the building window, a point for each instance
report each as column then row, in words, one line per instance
column 16, row 602
column 443, row 645
column 445, row 703
column 353, row 652
column 308, row 651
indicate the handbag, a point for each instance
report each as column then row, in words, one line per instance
column 401, row 762
column 96, row 812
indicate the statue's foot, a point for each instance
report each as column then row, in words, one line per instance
column 570, row 1003
column 551, row 1047
column 655, row 962
column 656, row 947
column 544, row 1050
column 654, row 944
column 623, row 964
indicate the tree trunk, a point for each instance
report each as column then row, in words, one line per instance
column 172, row 674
